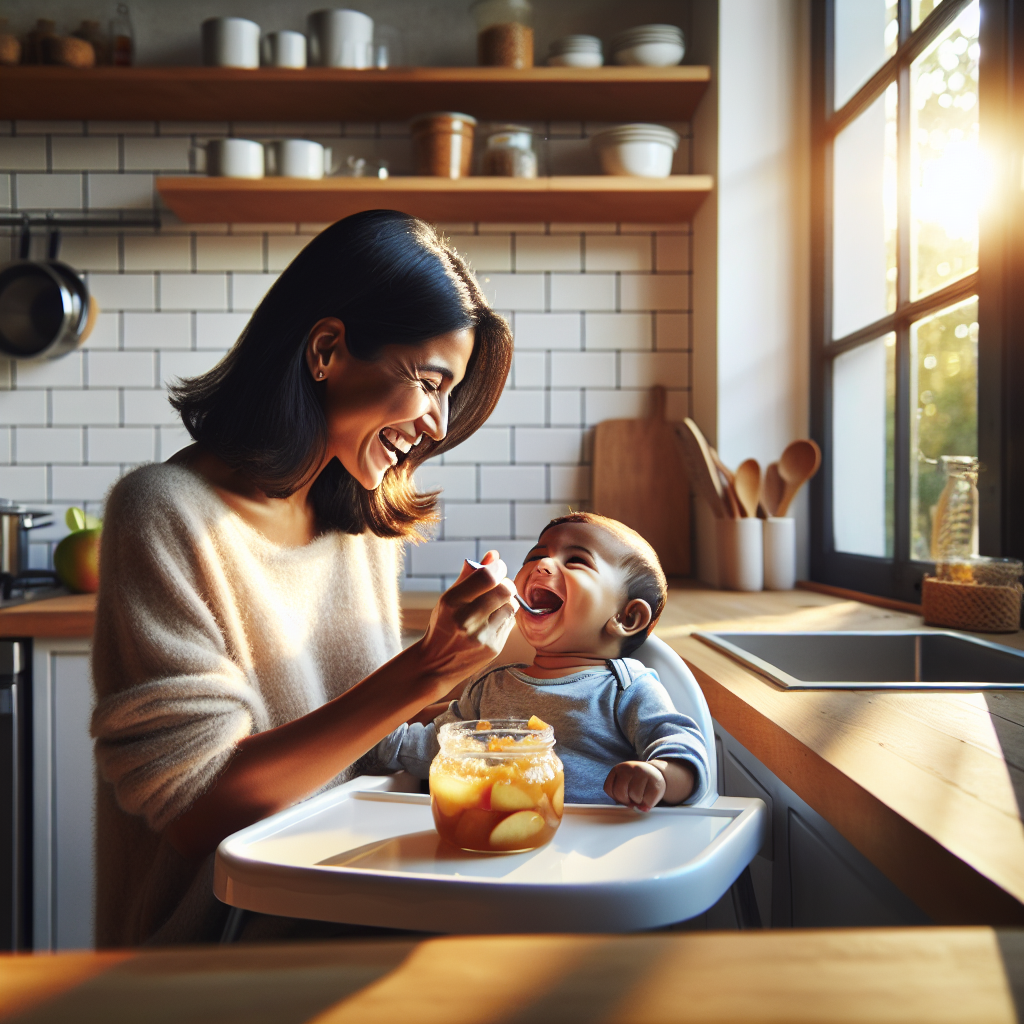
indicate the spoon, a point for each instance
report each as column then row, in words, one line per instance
column 771, row 489
column 701, row 468
column 728, row 485
column 799, row 462
column 747, row 484
column 522, row 603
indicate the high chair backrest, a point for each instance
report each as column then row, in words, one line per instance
column 686, row 694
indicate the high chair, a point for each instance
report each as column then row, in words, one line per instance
column 366, row 853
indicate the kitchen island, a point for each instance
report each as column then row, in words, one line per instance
column 926, row 787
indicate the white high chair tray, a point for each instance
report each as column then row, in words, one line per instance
column 366, row 854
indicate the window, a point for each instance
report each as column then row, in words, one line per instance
column 911, row 331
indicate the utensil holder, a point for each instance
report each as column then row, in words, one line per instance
column 779, row 553
column 740, row 554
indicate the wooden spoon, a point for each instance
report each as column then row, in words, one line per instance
column 701, row 468
column 732, row 503
column 771, row 489
column 747, row 484
column 799, row 462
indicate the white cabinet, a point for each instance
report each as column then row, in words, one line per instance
column 64, row 791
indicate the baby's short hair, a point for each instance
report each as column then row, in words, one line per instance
column 645, row 578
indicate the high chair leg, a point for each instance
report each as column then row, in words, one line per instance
column 744, row 901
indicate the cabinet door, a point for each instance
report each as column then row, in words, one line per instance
column 64, row 796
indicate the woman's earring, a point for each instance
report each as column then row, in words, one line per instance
column 320, row 375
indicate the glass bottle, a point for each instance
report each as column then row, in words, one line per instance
column 122, row 38
column 955, row 526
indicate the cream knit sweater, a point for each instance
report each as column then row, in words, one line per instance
column 206, row 632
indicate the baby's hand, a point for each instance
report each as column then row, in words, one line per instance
column 636, row 784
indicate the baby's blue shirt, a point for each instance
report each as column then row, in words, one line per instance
column 597, row 725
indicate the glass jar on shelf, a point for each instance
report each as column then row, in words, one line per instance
column 498, row 786
column 509, row 152
column 504, row 33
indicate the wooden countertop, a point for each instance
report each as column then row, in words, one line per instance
column 881, row 976
column 928, row 786
column 72, row 615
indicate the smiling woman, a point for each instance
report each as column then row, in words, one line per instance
column 247, row 649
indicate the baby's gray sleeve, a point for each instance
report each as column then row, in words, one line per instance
column 409, row 748
column 651, row 723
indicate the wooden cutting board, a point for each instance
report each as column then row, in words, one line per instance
column 639, row 478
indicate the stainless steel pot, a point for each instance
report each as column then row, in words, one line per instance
column 16, row 521
column 45, row 310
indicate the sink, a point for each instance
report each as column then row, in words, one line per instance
column 880, row 660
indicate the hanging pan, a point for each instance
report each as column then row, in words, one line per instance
column 45, row 308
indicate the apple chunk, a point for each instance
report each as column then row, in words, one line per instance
column 454, row 795
column 516, row 831
column 506, row 796
column 558, row 800
column 536, row 723
column 548, row 812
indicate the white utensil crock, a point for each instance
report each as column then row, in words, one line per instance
column 284, row 49
column 740, row 554
column 234, row 158
column 298, row 158
column 779, row 553
column 231, row 43
column 341, row 39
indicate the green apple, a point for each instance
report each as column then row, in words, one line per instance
column 77, row 557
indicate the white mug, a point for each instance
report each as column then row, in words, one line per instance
column 284, row 49
column 341, row 38
column 231, row 43
column 298, row 158
column 234, row 158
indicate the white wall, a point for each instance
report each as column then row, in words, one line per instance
column 600, row 313
column 763, row 193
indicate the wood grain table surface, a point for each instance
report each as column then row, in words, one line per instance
column 881, row 976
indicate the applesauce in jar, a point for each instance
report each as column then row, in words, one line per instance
column 497, row 787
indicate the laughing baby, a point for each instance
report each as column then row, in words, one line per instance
column 601, row 589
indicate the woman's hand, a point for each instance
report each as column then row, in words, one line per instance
column 470, row 623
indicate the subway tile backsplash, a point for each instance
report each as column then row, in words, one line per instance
column 600, row 312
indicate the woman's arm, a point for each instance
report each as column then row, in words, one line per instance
column 273, row 769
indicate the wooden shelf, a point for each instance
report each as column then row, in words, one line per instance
column 199, row 200
column 337, row 94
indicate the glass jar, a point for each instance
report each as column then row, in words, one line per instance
column 955, row 526
column 504, row 33
column 442, row 144
column 509, row 153
column 496, row 787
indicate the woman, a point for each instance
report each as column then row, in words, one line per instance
column 247, row 646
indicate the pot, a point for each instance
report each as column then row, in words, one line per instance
column 15, row 523
column 45, row 310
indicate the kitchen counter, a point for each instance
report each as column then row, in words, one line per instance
column 928, row 786
column 940, row 975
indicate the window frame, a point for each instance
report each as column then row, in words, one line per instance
column 1000, row 300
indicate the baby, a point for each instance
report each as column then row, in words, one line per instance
column 602, row 589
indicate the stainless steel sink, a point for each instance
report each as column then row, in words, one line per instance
column 896, row 660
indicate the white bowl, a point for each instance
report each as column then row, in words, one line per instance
column 642, row 151
column 659, row 31
column 650, row 55
column 576, row 59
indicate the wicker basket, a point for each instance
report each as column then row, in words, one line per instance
column 970, row 606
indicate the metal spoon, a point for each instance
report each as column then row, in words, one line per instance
column 522, row 603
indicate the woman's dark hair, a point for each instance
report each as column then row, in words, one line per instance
column 391, row 279
column 645, row 578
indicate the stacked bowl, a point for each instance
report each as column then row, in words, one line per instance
column 640, row 150
column 652, row 46
column 576, row 52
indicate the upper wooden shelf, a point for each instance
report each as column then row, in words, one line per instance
column 591, row 198
column 338, row 94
